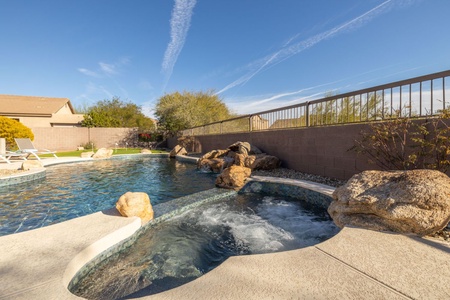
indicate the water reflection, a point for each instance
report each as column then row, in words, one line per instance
column 75, row 190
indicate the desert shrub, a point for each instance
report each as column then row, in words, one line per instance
column 10, row 129
column 432, row 142
column 403, row 144
column 89, row 146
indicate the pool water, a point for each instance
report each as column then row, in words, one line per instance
column 74, row 190
column 184, row 247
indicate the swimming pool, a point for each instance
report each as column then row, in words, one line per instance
column 184, row 247
column 77, row 189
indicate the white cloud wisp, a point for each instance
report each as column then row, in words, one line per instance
column 288, row 51
column 179, row 26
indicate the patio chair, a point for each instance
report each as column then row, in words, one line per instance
column 26, row 146
column 9, row 155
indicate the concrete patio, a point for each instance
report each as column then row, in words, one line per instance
column 355, row 264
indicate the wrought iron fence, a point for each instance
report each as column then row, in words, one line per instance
column 417, row 97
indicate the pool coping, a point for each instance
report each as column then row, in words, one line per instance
column 353, row 263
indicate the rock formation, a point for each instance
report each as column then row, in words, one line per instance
column 103, row 153
column 242, row 154
column 177, row 150
column 416, row 201
column 135, row 205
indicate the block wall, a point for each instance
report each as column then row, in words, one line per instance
column 69, row 138
column 316, row 150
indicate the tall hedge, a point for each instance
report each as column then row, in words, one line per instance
column 10, row 129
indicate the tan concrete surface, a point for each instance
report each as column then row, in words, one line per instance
column 417, row 267
column 33, row 263
column 299, row 274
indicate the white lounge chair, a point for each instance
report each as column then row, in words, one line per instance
column 8, row 155
column 26, row 146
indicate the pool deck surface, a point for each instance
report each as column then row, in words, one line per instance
column 354, row 264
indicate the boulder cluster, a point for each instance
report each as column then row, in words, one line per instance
column 235, row 164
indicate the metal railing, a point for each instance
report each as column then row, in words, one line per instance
column 417, row 97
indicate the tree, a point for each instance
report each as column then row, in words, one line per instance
column 116, row 113
column 11, row 129
column 177, row 111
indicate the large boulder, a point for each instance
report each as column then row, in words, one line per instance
column 103, row 153
column 263, row 162
column 244, row 148
column 135, row 205
column 177, row 150
column 416, row 201
column 233, row 177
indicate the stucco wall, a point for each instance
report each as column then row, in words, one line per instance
column 317, row 150
column 57, row 120
column 66, row 138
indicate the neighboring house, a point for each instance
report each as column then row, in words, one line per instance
column 259, row 123
column 288, row 123
column 40, row 111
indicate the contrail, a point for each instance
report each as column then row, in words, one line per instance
column 289, row 94
column 179, row 26
column 287, row 52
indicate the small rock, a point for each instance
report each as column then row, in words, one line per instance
column 177, row 150
column 135, row 205
column 146, row 151
column 103, row 153
column 31, row 164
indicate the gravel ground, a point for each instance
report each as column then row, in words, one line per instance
column 291, row 174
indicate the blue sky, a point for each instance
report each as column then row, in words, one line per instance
column 256, row 54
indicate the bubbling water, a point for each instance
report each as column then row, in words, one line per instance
column 193, row 243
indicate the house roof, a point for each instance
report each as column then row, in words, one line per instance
column 31, row 105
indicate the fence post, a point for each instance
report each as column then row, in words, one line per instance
column 221, row 129
column 250, row 127
column 307, row 114
column 2, row 145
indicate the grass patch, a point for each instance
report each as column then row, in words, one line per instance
column 119, row 151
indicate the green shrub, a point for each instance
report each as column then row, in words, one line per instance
column 10, row 129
